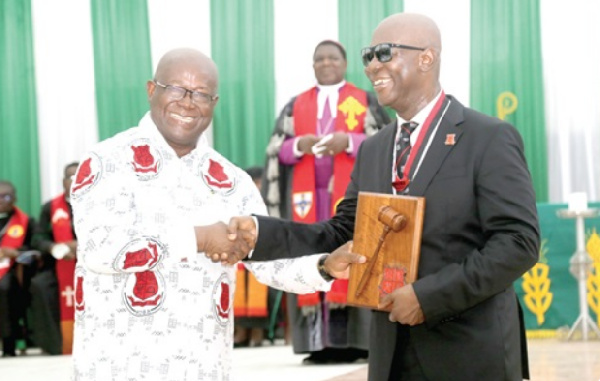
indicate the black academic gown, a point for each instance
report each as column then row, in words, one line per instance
column 45, row 309
column 14, row 295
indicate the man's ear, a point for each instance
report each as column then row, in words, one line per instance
column 427, row 59
column 150, row 87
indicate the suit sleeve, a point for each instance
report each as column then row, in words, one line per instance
column 278, row 238
column 506, row 218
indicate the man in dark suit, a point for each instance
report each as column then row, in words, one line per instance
column 460, row 320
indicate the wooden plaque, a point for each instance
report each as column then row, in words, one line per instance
column 397, row 259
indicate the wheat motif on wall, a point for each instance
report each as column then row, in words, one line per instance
column 593, row 282
column 536, row 284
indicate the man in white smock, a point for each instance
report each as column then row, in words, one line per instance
column 147, row 204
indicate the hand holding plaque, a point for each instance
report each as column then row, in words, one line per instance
column 388, row 232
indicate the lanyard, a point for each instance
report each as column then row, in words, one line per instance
column 401, row 184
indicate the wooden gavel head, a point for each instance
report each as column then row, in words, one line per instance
column 391, row 218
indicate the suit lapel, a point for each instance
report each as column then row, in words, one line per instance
column 445, row 140
column 388, row 136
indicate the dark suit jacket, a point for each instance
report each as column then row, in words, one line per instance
column 480, row 234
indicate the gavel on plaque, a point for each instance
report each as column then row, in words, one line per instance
column 392, row 221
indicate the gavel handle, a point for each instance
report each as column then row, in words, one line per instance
column 369, row 271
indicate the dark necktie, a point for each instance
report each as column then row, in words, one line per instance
column 403, row 147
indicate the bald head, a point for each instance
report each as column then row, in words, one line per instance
column 183, row 96
column 177, row 59
column 414, row 29
column 407, row 76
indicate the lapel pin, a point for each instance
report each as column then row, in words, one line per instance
column 450, row 139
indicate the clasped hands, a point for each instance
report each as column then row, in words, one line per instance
column 330, row 146
column 231, row 243
column 8, row 252
column 227, row 244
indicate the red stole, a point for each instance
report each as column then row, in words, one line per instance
column 250, row 296
column 350, row 117
column 14, row 236
column 65, row 269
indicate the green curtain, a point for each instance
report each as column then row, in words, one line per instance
column 357, row 21
column 243, row 49
column 18, row 108
column 122, row 63
column 506, row 74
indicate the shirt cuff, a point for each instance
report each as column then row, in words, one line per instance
column 350, row 144
column 296, row 151
column 310, row 269
column 255, row 224
column 60, row 250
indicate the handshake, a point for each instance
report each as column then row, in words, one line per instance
column 227, row 244
column 231, row 243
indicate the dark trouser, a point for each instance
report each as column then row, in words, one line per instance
column 405, row 365
column 45, row 312
column 12, row 309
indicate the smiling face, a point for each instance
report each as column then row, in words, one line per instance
column 410, row 80
column 181, row 122
column 7, row 197
column 329, row 64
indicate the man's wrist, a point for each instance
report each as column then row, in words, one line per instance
column 350, row 145
column 322, row 270
column 249, row 256
column 60, row 250
column 199, row 232
column 296, row 148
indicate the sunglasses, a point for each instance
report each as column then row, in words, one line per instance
column 383, row 52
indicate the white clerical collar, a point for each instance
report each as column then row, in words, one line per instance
column 328, row 91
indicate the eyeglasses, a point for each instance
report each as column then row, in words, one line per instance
column 178, row 93
column 6, row 197
column 383, row 52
